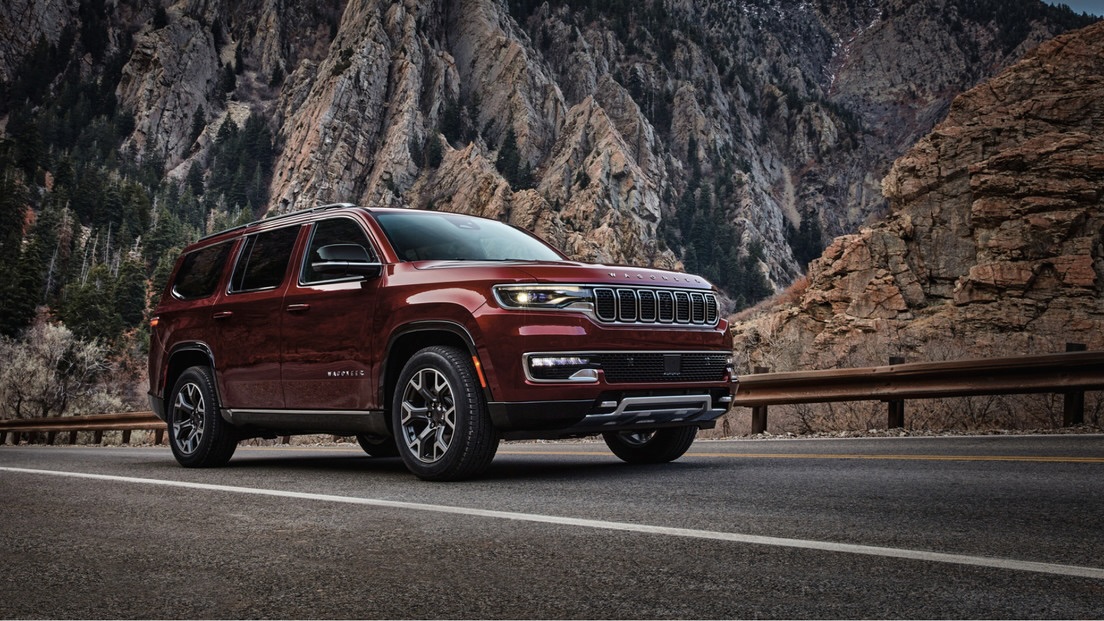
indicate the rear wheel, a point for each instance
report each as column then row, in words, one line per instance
column 198, row 435
column 650, row 446
column 440, row 417
column 377, row 446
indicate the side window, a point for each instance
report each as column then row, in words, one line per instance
column 263, row 260
column 328, row 232
column 200, row 271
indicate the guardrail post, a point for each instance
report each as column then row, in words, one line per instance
column 97, row 437
column 50, row 437
column 759, row 412
column 126, row 436
column 72, row 437
column 896, row 407
column 1073, row 408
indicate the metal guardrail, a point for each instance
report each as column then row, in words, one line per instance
column 97, row 424
column 1070, row 373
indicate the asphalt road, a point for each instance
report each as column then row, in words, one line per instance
column 918, row 528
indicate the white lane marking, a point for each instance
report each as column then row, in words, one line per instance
column 805, row 544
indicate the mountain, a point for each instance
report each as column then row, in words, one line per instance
column 994, row 244
column 726, row 137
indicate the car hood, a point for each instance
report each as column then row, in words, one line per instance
column 579, row 273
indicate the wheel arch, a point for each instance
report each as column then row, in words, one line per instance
column 411, row 338
column 184, row 356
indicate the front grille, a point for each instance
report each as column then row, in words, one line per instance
column 630, row 305
column 649, row 367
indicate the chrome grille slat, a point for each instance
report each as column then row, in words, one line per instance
column 605, row 304
column 626, row 305
column 682, row 307
column 666, row 306
column 647, row 299
column 697, row 308
column 651, row 306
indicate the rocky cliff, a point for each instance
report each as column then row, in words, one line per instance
column 667, row 132
column 995, row 240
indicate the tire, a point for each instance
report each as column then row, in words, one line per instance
column 650, row 446
column 442, row 430
column 198, row 435
column 377, row 446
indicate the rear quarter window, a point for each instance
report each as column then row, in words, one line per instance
column 199, row 272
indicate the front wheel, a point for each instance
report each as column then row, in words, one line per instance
column 197, row 434
column 440, row 417
column 651, row 446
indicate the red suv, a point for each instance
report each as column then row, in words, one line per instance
column 430, row 336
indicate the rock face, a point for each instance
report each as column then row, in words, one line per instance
column 995, row 241
column 631, row 121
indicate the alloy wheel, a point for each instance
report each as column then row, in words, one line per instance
column 428, row 416
column 189, row 410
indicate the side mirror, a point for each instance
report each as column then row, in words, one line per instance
column 351, row 259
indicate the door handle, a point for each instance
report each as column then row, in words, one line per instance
column 223, row 315
column 297, row 308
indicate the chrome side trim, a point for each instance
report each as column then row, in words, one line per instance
column 310, row 421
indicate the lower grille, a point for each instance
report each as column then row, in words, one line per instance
column 649, row 367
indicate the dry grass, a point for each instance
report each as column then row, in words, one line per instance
column 791, row 295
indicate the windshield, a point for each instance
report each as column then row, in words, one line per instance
column 429, row 235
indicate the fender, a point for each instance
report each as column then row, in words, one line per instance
column 451, row 327
column 199, row 347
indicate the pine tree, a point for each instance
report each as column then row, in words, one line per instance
column 89, row 309
column 508, row 161
column 195, row 178
column 451, row 124
column 130, row 293
column 277, row 76
column 433, row 153
column 13, row 318
column 239, row 59
column 199, row 122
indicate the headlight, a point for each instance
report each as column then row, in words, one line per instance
column 543, row 297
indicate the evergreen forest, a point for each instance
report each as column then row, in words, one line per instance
column 91, row 222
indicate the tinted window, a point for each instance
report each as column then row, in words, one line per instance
column 419, row 236
column 327, row 232
column 264, row 259
column 200, row 271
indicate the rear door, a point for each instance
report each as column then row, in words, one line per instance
column 248, row 318
column 327, row 326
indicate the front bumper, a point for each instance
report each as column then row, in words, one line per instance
column 612, row 411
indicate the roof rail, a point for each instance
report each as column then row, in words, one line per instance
column 282, row 216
